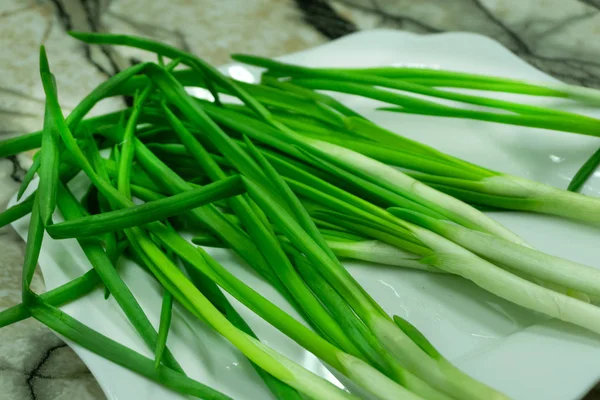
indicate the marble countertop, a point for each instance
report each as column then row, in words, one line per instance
column 552, row 35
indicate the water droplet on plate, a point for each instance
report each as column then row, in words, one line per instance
column 556, row 159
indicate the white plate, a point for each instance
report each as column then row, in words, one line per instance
column 520, row 353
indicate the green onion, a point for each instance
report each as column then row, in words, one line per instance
column 378, row 252
column 17, row 211
column 267, row 243
column 49, row 154
column 33, row 140
column 537, row 121
column 207, row 216
column 163, row 329
column 367, row 310
column 28, row 177
column 394, row 181
column 320, row 97
column 178, row 97
column 375, row 351
column 455, row 259
column 586, row 170
column 499, row 190
column 20, row 144
column 35, row 235
column 195, row 302
column 512, row 192
column 147, row 212
column 58, row 296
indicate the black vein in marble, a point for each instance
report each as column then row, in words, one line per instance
column 401, row 21
column 325, row 19
column 92, row 17
column 31, row 375
column 20, row 94
column 562, row 25
column 47, row 31
column 38, row 374
column 63, row 15
column 67, row 24
column 154, row 31
column 321, row 15
column 567, row 69
column 518, row 44
column 92, row 14
column 18, row 172
column 19, row 113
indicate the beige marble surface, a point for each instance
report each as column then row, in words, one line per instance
column 554, row 35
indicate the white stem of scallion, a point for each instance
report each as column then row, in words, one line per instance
column 403, row 184
column 546, row 199
column 455, row 259
column 518, row 258
column 379, row 252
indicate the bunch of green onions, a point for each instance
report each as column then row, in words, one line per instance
column 290, row 180
column 405, row 82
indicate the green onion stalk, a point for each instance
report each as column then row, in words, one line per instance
column 45, row 200
column 354, row 295
column 401, row 183
column 476, row 185
column 369, row 250
column 453, row 258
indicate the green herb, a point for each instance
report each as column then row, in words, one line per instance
column 144, row 213
column 586, row 170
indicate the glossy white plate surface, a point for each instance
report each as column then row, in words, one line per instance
column 525, row 355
